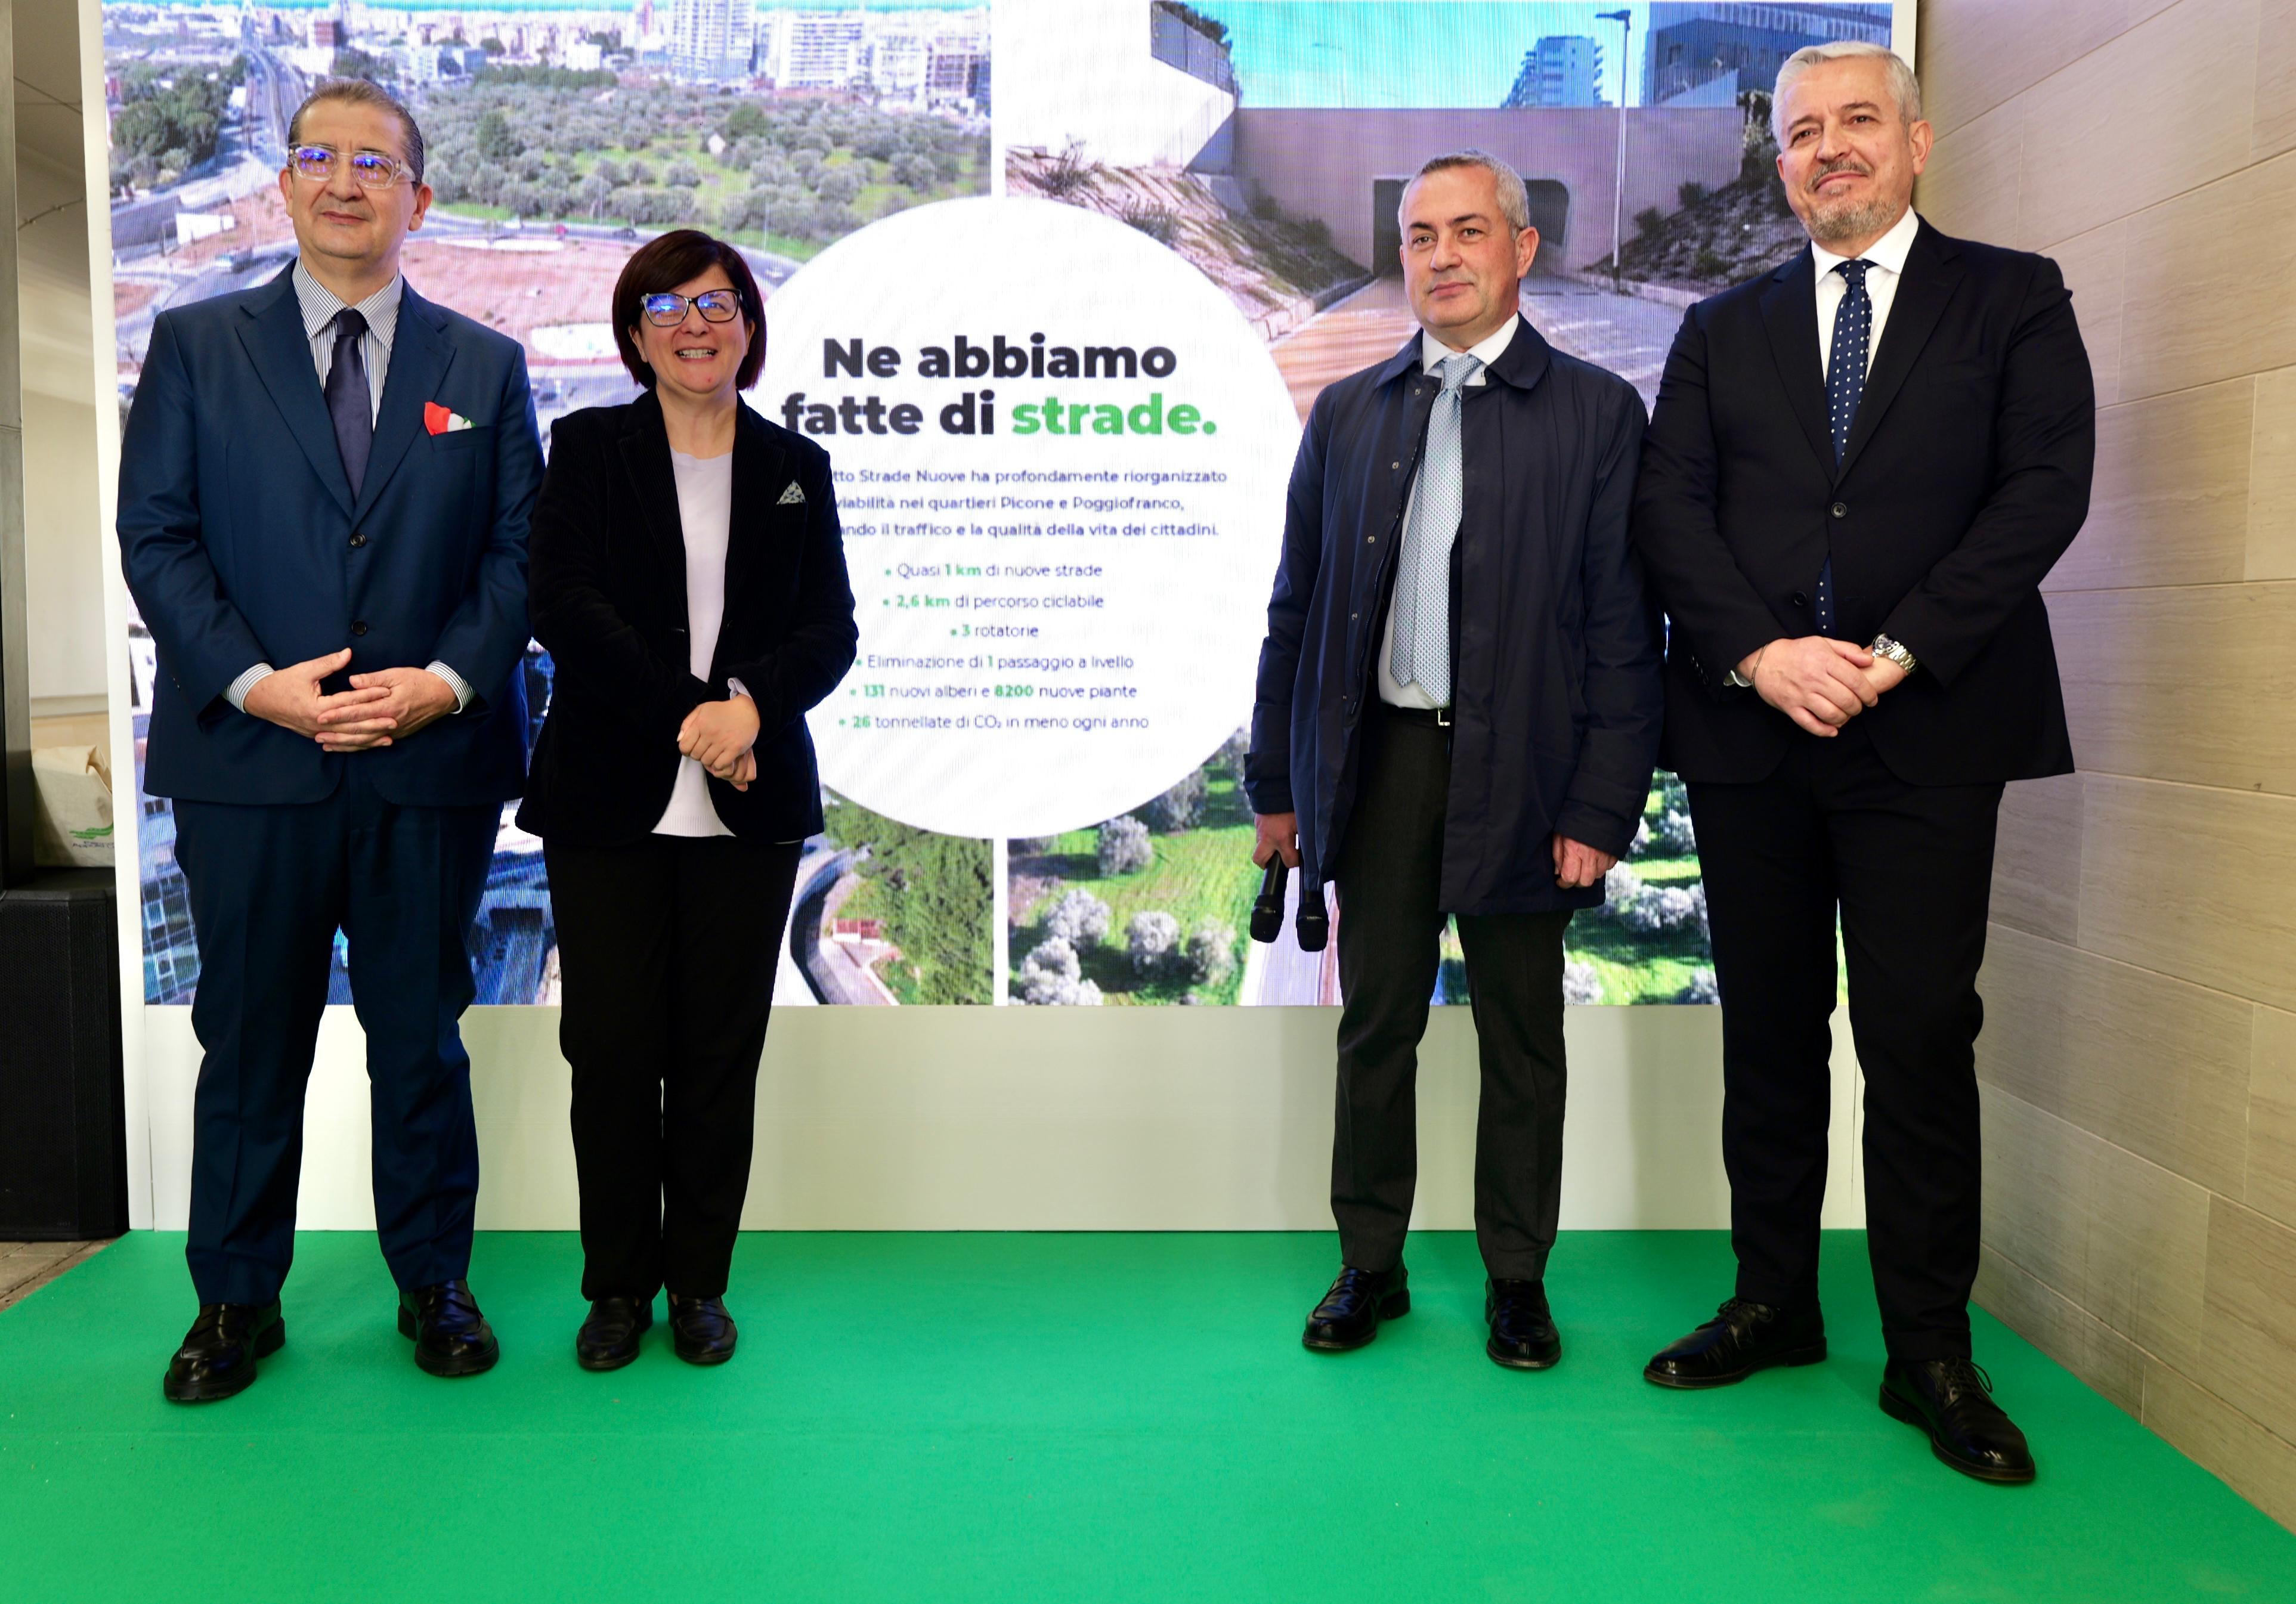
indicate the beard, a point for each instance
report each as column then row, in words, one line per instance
column 1848, row 219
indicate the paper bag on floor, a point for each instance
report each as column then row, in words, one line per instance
column 72, row 828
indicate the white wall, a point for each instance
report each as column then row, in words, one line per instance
column 1004, row 1119
column 64, row 545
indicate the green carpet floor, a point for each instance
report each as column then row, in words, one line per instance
column 933, row 1418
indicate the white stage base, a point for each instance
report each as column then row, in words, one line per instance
column 1051, row 1119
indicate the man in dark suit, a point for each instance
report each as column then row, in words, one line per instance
column 324, row 490
column 1457, row 715
column 1860, row 468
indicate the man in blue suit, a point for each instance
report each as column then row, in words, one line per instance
column 324, row 492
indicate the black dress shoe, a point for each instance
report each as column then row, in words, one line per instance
column 1742, row 1337
column 1350, row 1312
column 1522, row 1328
column 701, row 1329
column 1951, row 1400
column 451, row 1336
column 218, row 1355
column 608, row 1339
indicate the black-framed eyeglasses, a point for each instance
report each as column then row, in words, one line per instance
column 369, row 169
column 667, row 309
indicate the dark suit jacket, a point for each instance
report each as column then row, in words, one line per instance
column 1966, row 476
column 242, row 545
column 610, row 603
column 1555, row 643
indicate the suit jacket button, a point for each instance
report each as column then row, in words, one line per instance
column 357, row 541
column 1798, row 600
column 359, row 627
column 1841, row 509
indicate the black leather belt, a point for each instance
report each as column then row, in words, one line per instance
column 1433, row 718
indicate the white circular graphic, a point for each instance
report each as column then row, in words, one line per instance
column 1060, row 456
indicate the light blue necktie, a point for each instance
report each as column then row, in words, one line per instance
column 1423, row 575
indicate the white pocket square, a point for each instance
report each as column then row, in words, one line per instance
column 791, row 497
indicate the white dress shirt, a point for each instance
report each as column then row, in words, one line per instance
column 1432, row 353
column 1888, row 257
column 705, row 514
column 319, row 305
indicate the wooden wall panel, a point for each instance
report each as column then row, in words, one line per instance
column 1970, row 189
column 2275, row 79
column 2272, row 479
column 2271, row 1181
column 2183, row 682
column 2036, row 857
column 2195, row 883
column 2170, row 503
column 2125, row 1239
column 2077, row 1339
column 2208, row 294
column 2092, row 263
column 2249, row 1356
column 2255, row 1463
column 1998, row 49
column 2165, row 77
column 2159, row 1067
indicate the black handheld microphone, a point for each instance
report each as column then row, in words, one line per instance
column 1314, row 925
column 1267, row 912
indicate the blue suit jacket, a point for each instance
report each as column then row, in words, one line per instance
column 243, row 544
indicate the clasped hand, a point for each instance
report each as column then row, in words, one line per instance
column 386, row 705
column 719, row 736
column 1819, row 683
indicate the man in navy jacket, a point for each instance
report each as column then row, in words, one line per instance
column 324, row 491
column 1457, row 715
column 1862, row 466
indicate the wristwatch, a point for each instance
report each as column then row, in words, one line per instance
column 1895, row 650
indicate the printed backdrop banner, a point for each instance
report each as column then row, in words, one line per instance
column 1057, row 325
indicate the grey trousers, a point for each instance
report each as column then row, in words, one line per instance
column 1389, row 923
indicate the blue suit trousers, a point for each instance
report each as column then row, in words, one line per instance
column 269, row 886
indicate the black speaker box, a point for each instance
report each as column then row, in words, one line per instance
column 63, row 1134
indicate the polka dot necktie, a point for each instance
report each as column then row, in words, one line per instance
column 1423, row 575
column 1845, row 383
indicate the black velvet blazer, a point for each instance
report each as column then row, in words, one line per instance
column 607, row 590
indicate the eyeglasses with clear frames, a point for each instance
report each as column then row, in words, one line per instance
column 369, row 169
column 667, row 309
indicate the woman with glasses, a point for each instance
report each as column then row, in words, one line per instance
column 688, row 583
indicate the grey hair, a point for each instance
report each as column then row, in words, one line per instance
column 360, row 92
column 1514, row 200
column 1903, row 84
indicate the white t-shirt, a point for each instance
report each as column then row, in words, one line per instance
column 705, row 512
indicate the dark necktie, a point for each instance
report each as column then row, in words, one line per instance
column 349, row 403
column 1845, row 385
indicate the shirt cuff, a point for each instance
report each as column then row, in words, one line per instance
column 235, row 693
column 738, row 689
column 1738, row 681
column 463, row 695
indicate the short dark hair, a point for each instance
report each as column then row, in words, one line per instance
column 679, row 257
column 359, row 92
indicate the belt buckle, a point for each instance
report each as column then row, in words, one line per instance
column 1443, row 718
